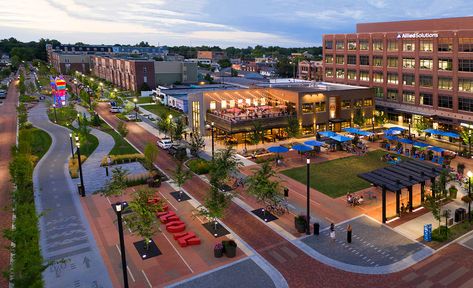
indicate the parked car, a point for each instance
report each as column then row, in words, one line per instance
column 116, row 109
column 131, row 117
column 165, row 143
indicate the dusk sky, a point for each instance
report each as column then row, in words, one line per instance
column 240, row 23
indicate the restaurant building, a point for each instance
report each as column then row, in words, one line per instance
column 421, row 68
column 316, row 107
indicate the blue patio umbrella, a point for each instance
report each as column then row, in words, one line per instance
column 314, row 143
column 278, row 149
column 436, row 149
column 301, row 148
column 327, row 133
column 340, row 138
column 421, row 144
column 405, row 141
column 396, row 128
column 351, row 130
column 364, row 133
column 391, row 138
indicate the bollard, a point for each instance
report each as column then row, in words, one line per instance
column 106, row 171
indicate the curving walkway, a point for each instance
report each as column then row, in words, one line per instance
column 65, row 232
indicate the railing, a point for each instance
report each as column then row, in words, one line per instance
column 244, row 123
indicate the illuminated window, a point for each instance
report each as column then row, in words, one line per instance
column 213, row 105
column 445, row 64
column 340, row 59
column 391, row 95
column 340, row 44
column 378, row 45
column 465, row 45
column 351, row 44
column 408, row 46
column 340, row 73
column 364, row 44
column 465, row 85
column 232, row 103
column 408, row 97
column 392, row 78
column 408, row 79
column 307, row 107
column 426, row 64
column 408, row 63
column 367, row 102
column 446, row 83
column 445, row 44
column 345, row 104
column 328, row 44
column 351, row 74
column 378, row 77
column 392, row 62
column 263, row 101
column 392, row 45
column 377, row 61
column 329, row 73
column 240, row 101
column 248, row 101
column 426, row 45
column 319, row 106
column 224, row 104
column 364, row 76
column 328, row 59
column 255, row 102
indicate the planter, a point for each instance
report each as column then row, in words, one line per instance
column 218, row 252
column 453, row 193
column 300, row 227
column 229, row 248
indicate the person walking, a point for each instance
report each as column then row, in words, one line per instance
column 332, row 232
column 349, row 231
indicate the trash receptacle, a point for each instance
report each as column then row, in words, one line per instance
column 79, row 189
column 316, row 228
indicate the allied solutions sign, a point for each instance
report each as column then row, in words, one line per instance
column 416, row 35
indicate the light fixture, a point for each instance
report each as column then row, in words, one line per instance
column 118, row 207
column 77, row 138
column 308, row 160
column 70, row 135
column 469, row 174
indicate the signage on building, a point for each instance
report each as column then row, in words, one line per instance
column 416, row 35
column 332, row 107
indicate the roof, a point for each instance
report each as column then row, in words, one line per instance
column 402, row 175
column 320, row 87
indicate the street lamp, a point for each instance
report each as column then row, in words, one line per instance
column 77, row 88
column 55, row 114
column 170, row 125
column 469, row 174
column 136, row 111
column 82, row 190
column 72, row 146
column 213, row 145
column 118, row 209
column 409, row 121
column 372, row 122
column 78, row 121
column 307, row 231
column 469, row 143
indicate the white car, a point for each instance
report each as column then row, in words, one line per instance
column 165, row 143
column 116, row 109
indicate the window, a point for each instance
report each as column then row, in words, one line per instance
column 328, row 44
column 224, row 104
column 367, row 102
column 379, row 92
column 307, row 107
column 408, row 97
column 213, row 105
column 408, row 63
column 392, row 78
column 351, row 44
column 425, row 81
column 391, row 95
column 445, row 101
column 340, row 44
column 340, row 73
column 377, row 45
column 351, row 74
column 378, row 61
column 465, row 85
column 351, row 59
column 364, row 60
column 392, row 62
column 465, row 65
column 378, row 77
column 408, row 79
column 340, row 59
column 145, row 70
column 445, row 44
column 392, row 45
column 345, row 104
column 408, row 46
column 427, row 64
column 319, row 106
column 329, row 73
column 364, row 44
column 328, row 59
column 445, row 64
column 445, row 83
column 426, row 45
column 465, row 104
column 364, row 76
column 465, row 45
column 426, row 99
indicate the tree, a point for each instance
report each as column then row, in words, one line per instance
column 421, row 125
column 262, row 187
column 122, row 129
column 435, row 206
column 292, row 128
column 358, row 118
column 381, row 119
column 208, row 78
column 150, row 151
column 465, row 135
column 446, row 213
column 181, row 176
column 145, row 87
column 178, row 129
column 197, row 143
column 164, row 122
column 224, row 63
column 117, row 184
column 142, row 221
column 257, row 134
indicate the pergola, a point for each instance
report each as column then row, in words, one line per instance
column 399, row 176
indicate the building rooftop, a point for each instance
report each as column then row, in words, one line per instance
column 442, row 24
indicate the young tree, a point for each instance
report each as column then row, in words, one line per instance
column 257, row 134
column 181, row 176
column 122, row 129
column 467, row 137
column 421, row 125
column 262, row 186
column 292, row 128
column 150, row 151
column 178, row 129
column 381, row 119
column 358, row 118
column 116, row 185
column 197, row 143
column 142, row 221
column 164, row 122
column 446, row 213
column 435, row 206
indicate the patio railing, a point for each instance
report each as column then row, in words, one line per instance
column 244, row 123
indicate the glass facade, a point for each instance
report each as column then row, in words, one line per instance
column 196, row 115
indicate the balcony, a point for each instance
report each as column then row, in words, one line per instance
column 235, row 124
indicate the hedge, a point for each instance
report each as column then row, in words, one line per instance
column 125, row 158
column 199, row 166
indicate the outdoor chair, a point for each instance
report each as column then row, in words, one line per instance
column 434, row 159
column 440, row 160
column 168, row 218
column 422, row 157
column 179, row 235
column 175, row 226
column 168, row 213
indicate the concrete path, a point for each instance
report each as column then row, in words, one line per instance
column 65, row 232
column 94, row 175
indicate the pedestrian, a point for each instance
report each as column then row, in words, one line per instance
column 332, row 232
column 349, row 231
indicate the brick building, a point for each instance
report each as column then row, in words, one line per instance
column 310, row 70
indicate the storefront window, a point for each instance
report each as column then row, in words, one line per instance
column 224, row 104
column 351, row 59
column 377, row 61
column 307, row 130
column 340, row 59
column 379, row 92
column 392, row 78
column 408, row 46
column 364, row 76
column 465, row 85
column 426, row 64
column 196, row 115
column 445, row 44
column 329, row 73
column 368, row 102
column 364, row 60
column 351, row 74
column 425, row 81
column 307, row 107
column 345, row 104
column 445, row 83
column 319, row 106
column 392, row 62
column 213, row 105
column 377, row 45
column 465, row 104
column 465, row 45
column 328, row 44
column 328, row 59
column 465, row 65
column 351, row 44
column 445, row 101
column 408, row 97
column 426, row 45
column 408, row 63
column 392, row 45
column 445, row 64
column 378, row 77
column 364, row 44
column 426, row 99
column 340, row 73
column 408, row 79
column 391, row 95
column 232, row 103
column 340, row 44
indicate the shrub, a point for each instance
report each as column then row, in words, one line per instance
column 137, row 179
column 74, row 166
column 122, row 129
column 118, row 159
column 199, row 166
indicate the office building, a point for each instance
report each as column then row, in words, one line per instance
column 310, row 70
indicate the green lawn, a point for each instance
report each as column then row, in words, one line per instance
column 159, row 109
column 121, row 146
column 142, row 100
column 339, row 177
column 38, row 140
column 88, row 145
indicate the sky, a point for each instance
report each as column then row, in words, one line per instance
column 239, row 23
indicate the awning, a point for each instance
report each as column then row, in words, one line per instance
column 301, row 148
column 442, row 133
column 327, row 133
column 421, row 144
column 314, row 143
column 405, row 141
column 340, row 138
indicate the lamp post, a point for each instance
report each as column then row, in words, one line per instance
column 307, row 231
column 78, row 121
column 213, row 145
column 136, row 111
column 72, row 145
column 55, row 114
column 469, row 174
column 118, row 209
column 469, row 143
column 372, row 122
column 77, row 87
column 82, row 192
column 409, row 121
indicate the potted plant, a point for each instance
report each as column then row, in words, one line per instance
column 229, row 247
column 453, row 191
column 300, row 223
column 460, row 168
column 218, row 250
